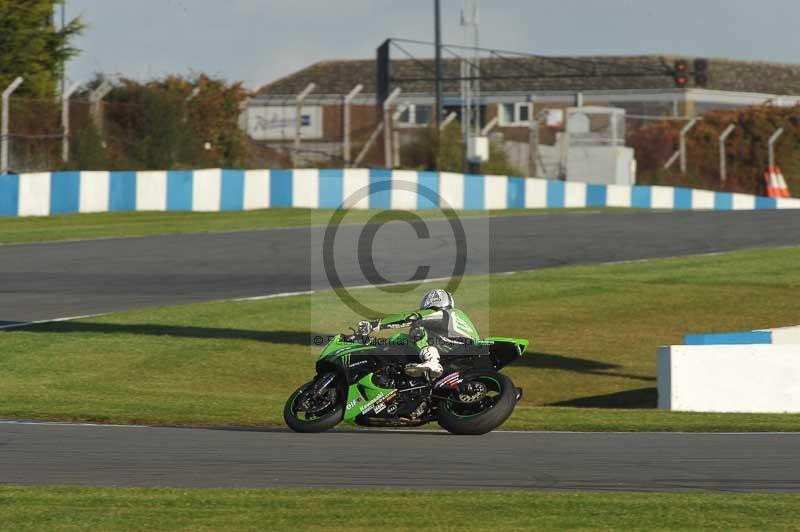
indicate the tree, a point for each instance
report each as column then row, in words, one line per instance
column 174, row 122
column 31, row 46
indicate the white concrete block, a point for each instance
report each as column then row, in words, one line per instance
column 404, row 189
column 788, row 203
column 535, row 193
column 662, row 197
column 785, row 335
column 702, row 199
column 355, row 185
column 496, row 191
column 574, row 194
column 34, row 194
column 756, row 378
column 744, row 202
column 151, row 191
column 305, row 188
column 618, row 196
column 451, row 190
column 256, row 189
column 206, row 190
column 94, row 191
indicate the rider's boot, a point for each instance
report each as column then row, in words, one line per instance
column 430, row 364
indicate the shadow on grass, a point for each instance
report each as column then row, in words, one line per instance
column 182, row 331
column 641, row 398
column 578, row 365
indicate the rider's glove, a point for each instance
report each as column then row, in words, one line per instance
column 365, row 327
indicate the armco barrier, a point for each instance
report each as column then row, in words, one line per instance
column 757, row 378
column 41, row 194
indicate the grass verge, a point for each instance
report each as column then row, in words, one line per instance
column 57, row 509
column 125, row 224
column 594, row 331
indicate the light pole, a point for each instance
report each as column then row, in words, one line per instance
column 438, row 66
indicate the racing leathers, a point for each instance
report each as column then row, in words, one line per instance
column 433, row 331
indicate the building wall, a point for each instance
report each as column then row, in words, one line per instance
column 365, row 117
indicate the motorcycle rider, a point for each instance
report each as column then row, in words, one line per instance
column 436, row 327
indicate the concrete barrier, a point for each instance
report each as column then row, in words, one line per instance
column 42, row 194
column 781, row 335
column 756, row 378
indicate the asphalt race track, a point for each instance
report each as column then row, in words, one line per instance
column 54, row 280
column 183, row 457
column 46, row 281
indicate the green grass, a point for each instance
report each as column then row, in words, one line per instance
column 60, row 509
column 594, row 331
column 124, row 224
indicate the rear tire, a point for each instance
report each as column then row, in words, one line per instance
column 329, row 419
column 490, row 418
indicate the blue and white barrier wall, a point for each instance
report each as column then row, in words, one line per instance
column 42, row 194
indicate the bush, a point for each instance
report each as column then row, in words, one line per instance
column 155, row 125
column 746, row 149
column 446, row 152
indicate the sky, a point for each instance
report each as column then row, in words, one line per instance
column 258, row 41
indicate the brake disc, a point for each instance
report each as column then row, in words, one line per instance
column 472, row 392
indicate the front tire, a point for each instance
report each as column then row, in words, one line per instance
column 485, row 415
column 306, row 413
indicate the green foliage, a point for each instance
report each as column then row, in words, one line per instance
column 146, row 121
column 498, row 163
column 32, row 47
column 432, row 150
column 88, row 152
column 165, row 124
column 446, row 152
column 746, row 149
column 450, row 149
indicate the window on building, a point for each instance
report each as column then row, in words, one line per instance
column 422, row 114
column 506, row 113
column 523, row 113
column 419, row 115
column 515, row 114
column 406, row 116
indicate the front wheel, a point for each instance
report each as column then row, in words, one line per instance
column 484, row 401
column 307, row 410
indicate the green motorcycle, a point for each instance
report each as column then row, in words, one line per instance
column 362, row 379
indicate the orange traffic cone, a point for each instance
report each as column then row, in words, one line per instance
column 776, row 184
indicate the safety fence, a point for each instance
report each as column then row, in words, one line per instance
column 42, row 194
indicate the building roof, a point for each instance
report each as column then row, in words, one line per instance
column 535, row 73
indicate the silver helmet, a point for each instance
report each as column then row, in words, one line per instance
column 437, row 299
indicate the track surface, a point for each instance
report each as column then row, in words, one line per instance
column 179, row 457
column 47, row 281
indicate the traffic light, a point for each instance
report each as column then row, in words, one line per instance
column 700, row 72
column 680, row 73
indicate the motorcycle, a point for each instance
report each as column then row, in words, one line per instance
column 362, row 379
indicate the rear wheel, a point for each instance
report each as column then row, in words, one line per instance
column 483, row 403
column 307, row 410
